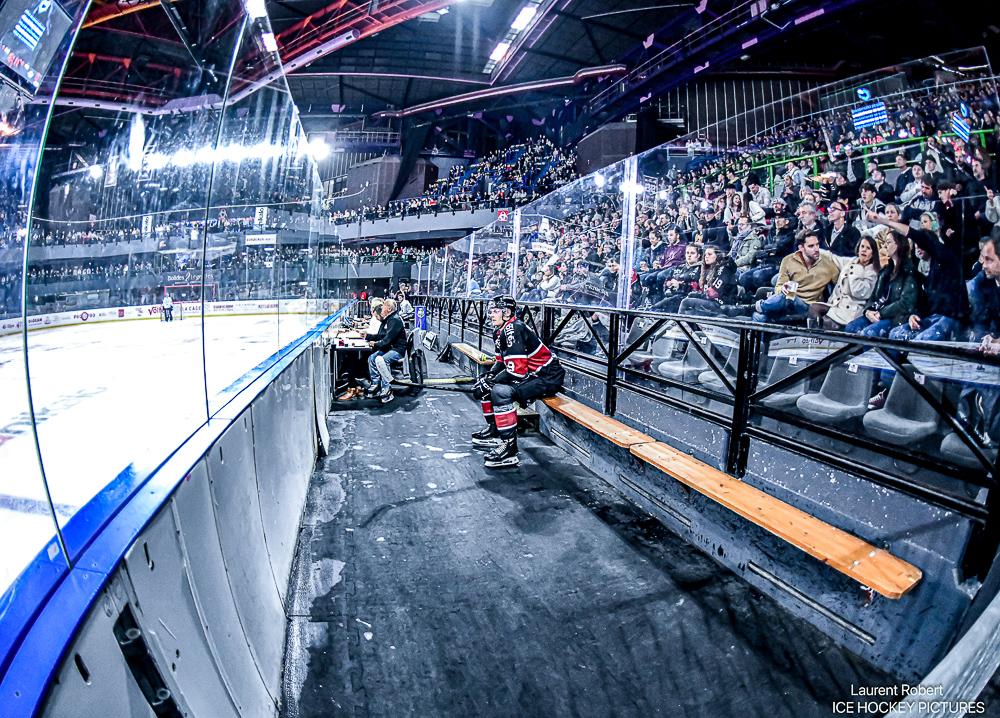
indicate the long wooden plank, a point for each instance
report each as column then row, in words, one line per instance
column 474, row 354
column 614, row 431
column 886, row 574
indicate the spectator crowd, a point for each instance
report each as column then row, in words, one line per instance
column 509, row 177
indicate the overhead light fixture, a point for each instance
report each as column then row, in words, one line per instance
column 269, row 42
column 527, row 15
column 598, row 180
column 256, row 9
column 523, row 18
column 95, row 171
column 499, row 51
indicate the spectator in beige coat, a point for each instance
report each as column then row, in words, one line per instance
column 853, row 287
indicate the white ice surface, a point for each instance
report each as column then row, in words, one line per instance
column 107, row 396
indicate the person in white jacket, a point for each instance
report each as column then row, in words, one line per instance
column 853, row 287
column 550, row 283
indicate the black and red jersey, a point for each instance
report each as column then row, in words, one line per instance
column 521, row 353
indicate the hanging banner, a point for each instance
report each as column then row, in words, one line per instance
column 270, row 238
column 260, row 217
column 147, row 225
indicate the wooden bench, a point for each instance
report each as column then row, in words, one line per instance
column 881, row 571
column 477, row 357
column 614, row 431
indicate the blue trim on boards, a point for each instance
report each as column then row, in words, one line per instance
column 41, row 611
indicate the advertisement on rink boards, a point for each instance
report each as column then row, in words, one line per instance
column 188, row 310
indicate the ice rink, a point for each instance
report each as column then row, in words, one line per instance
column 108, row 397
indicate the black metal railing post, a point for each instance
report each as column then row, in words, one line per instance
column 451, row 309
column 481, row 316
column 984, row 541
column 738, row 450
column 611, row 385
column 548, row 324
column 465, row 313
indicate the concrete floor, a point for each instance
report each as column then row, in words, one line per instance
column 426, row 585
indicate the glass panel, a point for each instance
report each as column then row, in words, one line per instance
column 121, row 207
column 263, row 221
column 27, row 521
column 577, row 231
column 492, row 259
column 457, row 268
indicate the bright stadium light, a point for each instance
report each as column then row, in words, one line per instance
column 598, row 180
column 270, row 44
column 319, row 149
column 523, row 18
column 499, row 51
column 95, row 172
column 256, row 9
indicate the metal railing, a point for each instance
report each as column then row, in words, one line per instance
column 937, row 481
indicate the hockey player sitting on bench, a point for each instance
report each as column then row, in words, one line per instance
column 525, row 370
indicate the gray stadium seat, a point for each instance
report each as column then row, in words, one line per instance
column 780, row 368
column 906, row 417
column 685, row 369
column 710, row 380
column 955, row 450
column 843, row 396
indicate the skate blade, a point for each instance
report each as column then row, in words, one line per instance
column 485, row 443
column 503, row 463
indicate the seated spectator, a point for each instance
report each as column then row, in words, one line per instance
column 664, row 256
column 853, row 288
column 841, row 237
column 780, row 241
column 746, row 245
column 716, row 285
column 978, row 406
column 914, row 188
column 945, row 297
column 803, row 279
column 896, row 291
column 984, row 294
column 681, row 282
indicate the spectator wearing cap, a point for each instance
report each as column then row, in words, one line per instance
column 714, row 230
column 803, row 278
column 841, row 237
column 745, row 246
column 779, row 243
column 950, row 214
column 717, row 284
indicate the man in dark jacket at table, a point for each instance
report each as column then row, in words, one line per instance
column 388, row 346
